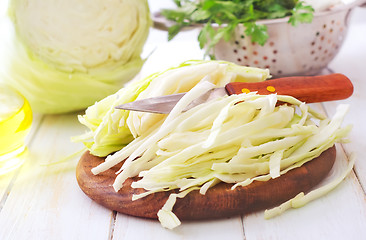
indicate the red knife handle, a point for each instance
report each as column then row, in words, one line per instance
column 307, row 89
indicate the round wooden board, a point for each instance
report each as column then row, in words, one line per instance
column 219, row 201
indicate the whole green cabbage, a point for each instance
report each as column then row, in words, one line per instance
column 65, row 55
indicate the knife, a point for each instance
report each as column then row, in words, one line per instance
column 309, row 89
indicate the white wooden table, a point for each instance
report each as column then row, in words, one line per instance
column 43, row 201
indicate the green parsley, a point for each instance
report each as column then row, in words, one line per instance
column 229, row 13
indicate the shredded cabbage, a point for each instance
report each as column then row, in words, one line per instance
column 234, row 139
column 112, row 129
column 64, row 56
column 302, row 199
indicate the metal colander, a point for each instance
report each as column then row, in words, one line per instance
column 302, row 50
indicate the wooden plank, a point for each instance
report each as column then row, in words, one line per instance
column 133, row 228
column 341, row 214
column 5, row 186
column 45, row 201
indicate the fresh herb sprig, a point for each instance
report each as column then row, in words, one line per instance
column 229, row 13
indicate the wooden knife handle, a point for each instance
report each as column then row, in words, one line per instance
column 307, row 89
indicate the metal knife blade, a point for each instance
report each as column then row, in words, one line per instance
column 164, row 104
column 307, row 89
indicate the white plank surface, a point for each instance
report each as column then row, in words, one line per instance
column 44, row 202
column 5, row 187
column 127, row 227
column 339, row 215
column 351, row 61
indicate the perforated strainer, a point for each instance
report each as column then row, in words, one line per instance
column 302, row 50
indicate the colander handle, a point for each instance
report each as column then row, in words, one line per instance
column 308, row 89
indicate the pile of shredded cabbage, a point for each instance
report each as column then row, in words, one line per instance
column 235, row 139
column 111, row 129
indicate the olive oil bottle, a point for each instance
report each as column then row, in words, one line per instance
column 15, row 123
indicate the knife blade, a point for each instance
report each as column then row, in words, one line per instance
column 308, row 89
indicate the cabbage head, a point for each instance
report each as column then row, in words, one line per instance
column 65, row 55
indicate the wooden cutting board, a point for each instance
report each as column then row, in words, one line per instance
column 219, row 201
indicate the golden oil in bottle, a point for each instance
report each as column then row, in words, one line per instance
column 15, row 123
